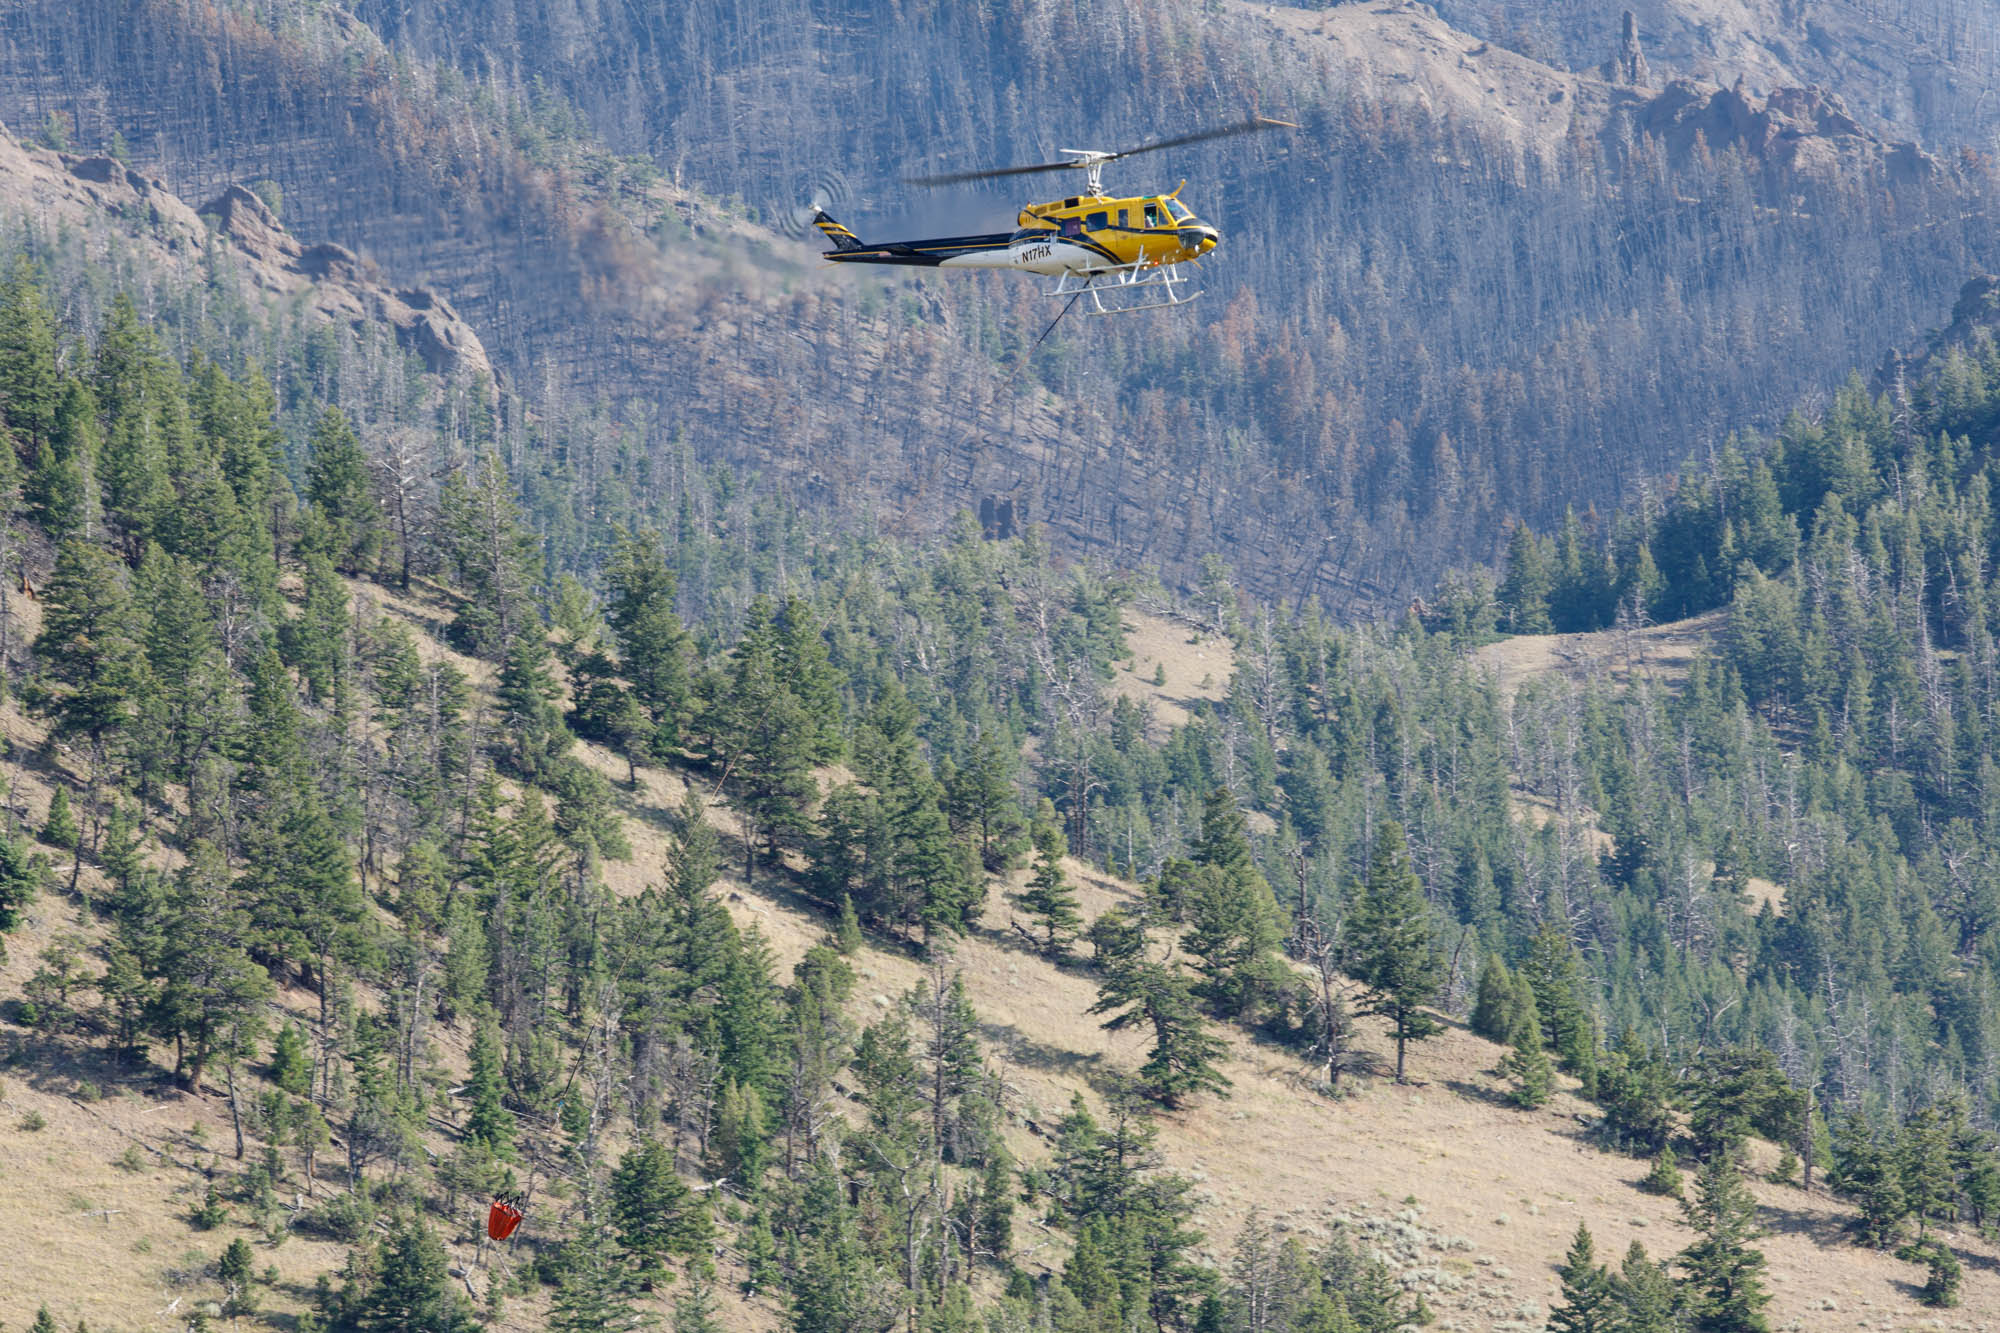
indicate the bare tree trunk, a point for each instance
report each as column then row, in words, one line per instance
column 235, row 1110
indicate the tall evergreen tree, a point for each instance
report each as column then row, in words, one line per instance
column 1589, row 1301
column 413, row 1292
column 1184, row 1053
column 653, row 647
column 1395, row 954
column 656, row 1215
column 1049, row 899
column 342, row 500
column 1724, row 1273
column 89, row 646
column 1232, row 916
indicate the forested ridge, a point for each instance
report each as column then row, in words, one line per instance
column 1420, row 329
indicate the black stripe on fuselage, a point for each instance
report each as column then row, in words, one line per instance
column 926, row 253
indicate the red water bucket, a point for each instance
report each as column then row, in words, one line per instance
column 501, row 1219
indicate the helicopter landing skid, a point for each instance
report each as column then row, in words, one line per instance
column 1129, row 288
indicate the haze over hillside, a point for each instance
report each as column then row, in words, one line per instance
column 1471, row 288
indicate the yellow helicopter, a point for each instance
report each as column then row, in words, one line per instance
column 1121, row 253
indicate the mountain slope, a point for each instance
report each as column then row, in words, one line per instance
column 1468, row 1199
column 1453, row 298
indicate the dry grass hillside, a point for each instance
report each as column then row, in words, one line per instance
column 1470, row 1199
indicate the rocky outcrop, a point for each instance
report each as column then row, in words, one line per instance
column 1628, row 67
column 345, row 287
column 50, row 189
column 1805, row 129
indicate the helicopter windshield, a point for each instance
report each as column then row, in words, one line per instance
column 1180, row 211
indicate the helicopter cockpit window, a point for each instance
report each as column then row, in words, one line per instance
column 1180, row 211
column 1154, row 217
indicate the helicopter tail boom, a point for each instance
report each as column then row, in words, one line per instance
column 927, row 253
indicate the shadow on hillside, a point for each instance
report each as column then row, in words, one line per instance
column 68, row 1065
column 1491, row 1096
column 1013, row 940
column 1026, row 1050
column 1823, row 1228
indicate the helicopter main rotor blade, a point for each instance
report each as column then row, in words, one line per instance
column 1250, row 126
column 960, row 177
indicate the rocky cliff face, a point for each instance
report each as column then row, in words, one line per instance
column 50, row 189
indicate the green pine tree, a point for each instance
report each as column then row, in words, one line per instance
column 488, row 1122
column 1589, row 1301
column 1049, row 899
column 342, row 499
column 291, row 1069
column 1664, row 1176
column 1527, row 1064
column 60, row 831
column 1648, row 1300
column 1183, row 1057
column 1396, row 957
column 414, row 1291
column 1493, row 1008
column 655, row 1214
column 1724, row 1273
column 653, row 646
column 89, row 647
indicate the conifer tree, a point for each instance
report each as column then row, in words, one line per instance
column 30, row 384
column 1664, row 1176
column 88, row 647
column 414, row 1291
column 1923, row 1163
column 655, row 1214
column 1867, row 1173
column 338, row 489
column 811, row 678
column 536, row 736
column 139, row 394
column 1493, row 1009
column 1943, row 1273
column 981, row 799
column 1395, row 954
column 59, row 830
column 61, row 489
column 496, row 559
column 1528, row 1066
column 1589, row 1302
column 847, row 934
column 1524, row 593
column 488, row 1122
column 1724, row 1274
column 764, row 741
column 20, row 873
column 290, row 1068
column 1183, row 1057
column 1232, row 916
column 1552, row 974
column 209, row 985
column 653, row 646
column 1049, row 899
column 1647, row 1297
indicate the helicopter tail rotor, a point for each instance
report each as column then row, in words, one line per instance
column 812, row 194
